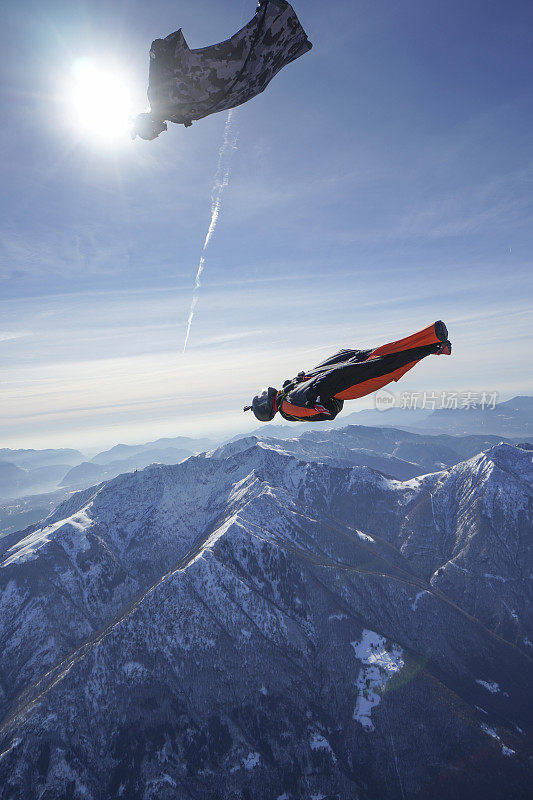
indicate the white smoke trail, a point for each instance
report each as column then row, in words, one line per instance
column 222, row 176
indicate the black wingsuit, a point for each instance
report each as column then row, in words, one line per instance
column 319, row 394
column 186, row 85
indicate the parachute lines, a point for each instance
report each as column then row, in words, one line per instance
column 222, row 176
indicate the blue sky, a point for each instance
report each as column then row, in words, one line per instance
column 382, row 181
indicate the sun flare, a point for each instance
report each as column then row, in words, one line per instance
column 100, row 102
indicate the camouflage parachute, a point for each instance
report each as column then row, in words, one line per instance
column 185, row 85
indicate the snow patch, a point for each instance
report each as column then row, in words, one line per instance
column 365, row 537
column 490, row 686
column 14, row 743
column 506, row 751
column 251, row 761
column 338, row 616
column 490, row 731
column 495, row 577
column 134, row 669
column 379, row 665
column 319, row 742
column 419, row 596
column 164, row 778
column 60, row 771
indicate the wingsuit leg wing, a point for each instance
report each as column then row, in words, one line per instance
column 385, row 364
column 358, row 380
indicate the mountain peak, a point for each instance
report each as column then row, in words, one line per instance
column 511, row 459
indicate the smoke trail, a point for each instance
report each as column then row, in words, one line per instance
column 222, row 176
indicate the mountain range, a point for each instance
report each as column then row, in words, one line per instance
column 268, row 620
column 395, row 452
column 24, row 473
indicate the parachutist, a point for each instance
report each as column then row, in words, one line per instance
column 319, row 395
column 185, row 85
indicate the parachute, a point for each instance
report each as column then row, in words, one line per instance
column 186, row 85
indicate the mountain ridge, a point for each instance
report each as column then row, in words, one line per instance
column 280, row 561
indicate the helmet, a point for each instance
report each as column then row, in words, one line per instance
column 147, row 127
column 264, row 404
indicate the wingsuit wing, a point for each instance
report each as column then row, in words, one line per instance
column 307, row 386
column 185, row 84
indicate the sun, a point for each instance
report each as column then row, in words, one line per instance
column 100, row 102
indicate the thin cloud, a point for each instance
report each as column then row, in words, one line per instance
column 9, row 336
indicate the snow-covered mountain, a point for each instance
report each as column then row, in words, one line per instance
column 258, row 622
column 397, row 453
